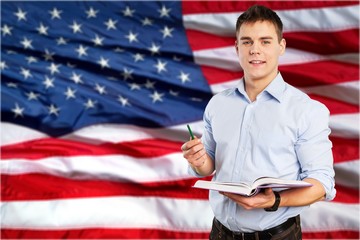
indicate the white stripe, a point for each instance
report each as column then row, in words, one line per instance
column 347, row 173
column 330, row 216
column 108, row 212
column 345, row 125
column 108, row 167
column 319, row 20
column 96, row 134
column 226, row 58
column 152, row 212
column 346, row 91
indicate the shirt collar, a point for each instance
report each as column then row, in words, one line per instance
column 276, row 88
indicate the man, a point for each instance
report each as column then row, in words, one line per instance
column 263, row 127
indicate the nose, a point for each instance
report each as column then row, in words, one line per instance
column 254, row 49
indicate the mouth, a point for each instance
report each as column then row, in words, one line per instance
column 256, row 62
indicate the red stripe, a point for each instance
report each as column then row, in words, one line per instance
column 345, row 149
column 49, row 147
column 102, row 233
column 46, row 187
column 336, row 106
column 217, row 75
column 319, row 73
column 107, row 233
column 346, row 195
column 299, row 75
column 324, row 43
column 340, row 234
column 42, row 187
column 192, row 7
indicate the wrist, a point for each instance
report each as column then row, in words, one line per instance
column 276, row 204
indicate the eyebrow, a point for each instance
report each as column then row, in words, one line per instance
column 262, row 38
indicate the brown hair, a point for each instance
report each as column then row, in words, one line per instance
column 260, row 13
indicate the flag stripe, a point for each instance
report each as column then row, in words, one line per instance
column 344, row 149
column 190, row 7
column 46, row 147
column 102, row 233
column 20, row 188
column 320, row 20
column 324, row 43
column 138, row 233
column 177, row 214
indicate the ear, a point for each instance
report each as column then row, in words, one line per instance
column 282, row 46
column 236, row 46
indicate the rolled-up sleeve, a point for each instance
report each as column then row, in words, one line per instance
column 314, row 148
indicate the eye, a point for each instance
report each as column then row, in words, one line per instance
column 266, row 42
column 246, row 43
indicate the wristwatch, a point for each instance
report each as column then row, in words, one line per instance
column 276, row 204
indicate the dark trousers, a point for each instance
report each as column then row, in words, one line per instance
column 290, row 230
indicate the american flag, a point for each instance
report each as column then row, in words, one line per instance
column 95, row 98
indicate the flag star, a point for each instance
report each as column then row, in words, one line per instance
column 128, row 12
column 32, row 96
column 91, row 13
column 104, row 62
column 176, row 58
column 118, row 49
column 54, row 68
column 18, row 111
column 184, row 77
column 31, row 59
column 26, row 43
column 132, row 37
column 124, row 101
column 55, row 13
column 156, row 96
column 42, row 29
column 3, row 65
column 25, row 72
column 70, row 65
column 81, row 50
column 173, row 93
column 90, row 104
column 76, row 78
column 75, row 27
column 138, row 57
column 48, row 55
column 97, row 40
column 53, row 110
column 6, row 30
column 20, row 14
column 160, row 66
column 149, row 84
column 70, row 93
column 12, row 85
column 167, row 32
column 100, row 89
column 134, row 86
column 164, row 12
column 61, row 41
column 147, row 21
column 110, row 24
column 48, row 82
column 127, row 74
column 154, row 49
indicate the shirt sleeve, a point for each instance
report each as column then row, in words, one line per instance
column 314, row 148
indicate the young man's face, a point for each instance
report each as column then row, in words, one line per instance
column 258, row 49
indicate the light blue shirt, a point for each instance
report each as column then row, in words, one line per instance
column 282, row 134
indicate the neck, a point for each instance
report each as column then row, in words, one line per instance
column 254, row 87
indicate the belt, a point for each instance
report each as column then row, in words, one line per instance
column 266, row 234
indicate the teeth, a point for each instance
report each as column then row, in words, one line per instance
column 256, row 62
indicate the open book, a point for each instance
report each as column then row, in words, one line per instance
column 250, row 189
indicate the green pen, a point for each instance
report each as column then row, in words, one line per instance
column 191, row 134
